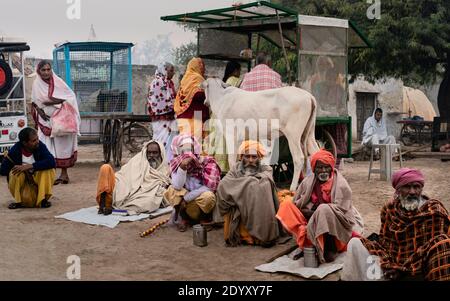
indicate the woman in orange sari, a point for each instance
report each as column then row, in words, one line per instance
column 189, row 104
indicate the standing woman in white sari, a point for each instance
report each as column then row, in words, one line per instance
column 56, row 116
column 161, row 97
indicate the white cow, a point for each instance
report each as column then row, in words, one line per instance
column 294, row 108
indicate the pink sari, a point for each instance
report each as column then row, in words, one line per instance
column 60, row 132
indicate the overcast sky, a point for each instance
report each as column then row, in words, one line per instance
column 42, row 23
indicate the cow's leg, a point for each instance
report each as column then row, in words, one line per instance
column 231, row 141
column 294, row 140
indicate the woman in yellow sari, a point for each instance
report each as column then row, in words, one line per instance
column 189, row 104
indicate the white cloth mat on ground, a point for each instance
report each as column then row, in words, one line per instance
column 91, row 217
column 161, row 211
column 296, row 267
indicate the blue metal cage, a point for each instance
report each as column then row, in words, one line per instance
column 100, row 73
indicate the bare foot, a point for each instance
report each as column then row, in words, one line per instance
column 182, row 227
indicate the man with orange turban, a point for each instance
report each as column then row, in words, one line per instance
column 247, row 199
column 322, row 214
column 413, row 241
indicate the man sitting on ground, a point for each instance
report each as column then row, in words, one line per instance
column 322, row 214
column 139, row 186
column 247, row 199
column 413, row 240
column 194, row 182
column 30, row 170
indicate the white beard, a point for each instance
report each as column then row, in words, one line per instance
column 323, row 176
column 411, row 205
column 154, row 163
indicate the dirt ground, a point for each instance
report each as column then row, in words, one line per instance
column 35, row 245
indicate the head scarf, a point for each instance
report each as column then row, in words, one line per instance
column 161, row 92
column 405, row 176
column 179, row 140
column 43, row 91
column 322, row 191
column 190, row 85
column 195, row 169
column 249, row 145
column 50, row 81
column 323, row 156
column 204, row 168
column 161, row 69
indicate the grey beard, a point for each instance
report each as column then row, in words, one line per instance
column 250, row 169
column 154, row 163
column 410, row 204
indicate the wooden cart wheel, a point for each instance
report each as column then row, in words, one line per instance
column 135, row 135
column 107, row 141
column 408, row 135
column 117, row 143
column 326, row 142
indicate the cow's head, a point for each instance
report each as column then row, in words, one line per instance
column 214, row 89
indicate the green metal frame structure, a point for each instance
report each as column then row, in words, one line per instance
column 260, row 16
column 224, row 15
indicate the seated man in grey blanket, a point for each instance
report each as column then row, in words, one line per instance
column 247, row 200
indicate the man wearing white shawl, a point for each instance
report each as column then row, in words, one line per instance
column 375, row 131
column 140, row 184
column 161, row 96
column 56, row 116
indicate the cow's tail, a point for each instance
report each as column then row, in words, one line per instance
column 309, row 142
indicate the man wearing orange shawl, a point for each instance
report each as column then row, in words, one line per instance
column 322, row 214
column 247, row 200
column 189, row 104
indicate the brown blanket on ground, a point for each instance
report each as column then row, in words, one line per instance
column 339, row 218
column 252, row 200
column 406, row 238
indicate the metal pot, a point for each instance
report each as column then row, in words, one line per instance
column 199, row 236
column 311, row 260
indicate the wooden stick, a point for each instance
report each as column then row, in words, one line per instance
column 288, row 67
column 153, row 228
column 411, row 150
column 431, row 155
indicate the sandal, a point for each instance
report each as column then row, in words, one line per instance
column 58, row 181
column 46, row 204
column 13, row 206
column 65, row 182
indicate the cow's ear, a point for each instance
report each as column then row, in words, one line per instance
column 225, row 85
column 204, row 85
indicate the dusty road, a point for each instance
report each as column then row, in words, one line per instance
column 35, row 245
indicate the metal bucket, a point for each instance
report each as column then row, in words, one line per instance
column 199, row 236
column 311, row 260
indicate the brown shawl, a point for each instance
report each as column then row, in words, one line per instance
column 339, row 218
column 252, row 200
